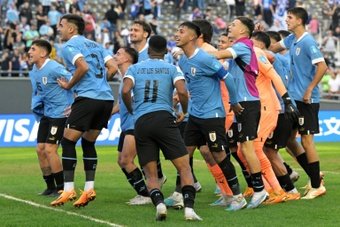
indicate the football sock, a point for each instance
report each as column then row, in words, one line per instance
column 257, row 182
column 314, row 170
column 59, row 180
column 268, row 172
column 156, row 196
column 139, row 185
column 128, row 177
column 159, row 169
column 69, row 159
column 230, row 174
column 89, row 185
column 89, row 158
column 302, row 160
column 220, row 179
column 289, row 169
column 178, row 183
column 49, row 180
column 286, row 183
column 237, row 156
column 189, row 194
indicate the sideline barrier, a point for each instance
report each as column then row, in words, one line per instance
column 19, row 130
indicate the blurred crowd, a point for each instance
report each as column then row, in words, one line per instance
column 23, row 21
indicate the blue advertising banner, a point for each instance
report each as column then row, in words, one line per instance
column 18, row 130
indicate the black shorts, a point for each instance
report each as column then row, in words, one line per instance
column 248, row 121
column 308, row 122
column 279, row 138
column 232, row 135
column 89, row 114
column 158, row 130
column 51, row 130
column 209, row 131
column 122, row 137
column 181, row 127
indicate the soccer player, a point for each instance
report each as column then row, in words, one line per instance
column 152, row 82
column 207, row 116
column 307, row 68
column 91, row 109
column 270, row 108
column 244, row 69
column 53, row 103
column 125, row 57
column 140, row 32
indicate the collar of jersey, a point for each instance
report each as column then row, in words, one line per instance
column 46, row 61
column 303, row 35
column 194, row 54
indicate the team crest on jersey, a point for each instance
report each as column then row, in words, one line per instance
column 297, row 51
column 230, row 133
column 54, row 130
column 212, row 136
column 193, row 71
column 44, row 80
column 301, row 121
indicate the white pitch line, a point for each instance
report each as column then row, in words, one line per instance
column 59, row 210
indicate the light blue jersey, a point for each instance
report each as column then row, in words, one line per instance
column 246, row 88
column 126, row 119
column 153, row 81
column 93, row 84
column 201, row 72
column 281, row 66
column 304, row 54
column 55, row 100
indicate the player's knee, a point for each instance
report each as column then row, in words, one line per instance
column 40, row 149
column 69, row 148
column 88, row 148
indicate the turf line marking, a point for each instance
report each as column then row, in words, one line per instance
column 59, row 210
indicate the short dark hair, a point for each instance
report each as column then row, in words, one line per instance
column 146, row 26
column 158, row 43
column 132, row 53
column 43, row 44
column 274, row 35
column 262, row 37
column 78, row 21
column 284, row 33
column 206, row 29
column 248, row 23
column 300, row 13
column 192, row 26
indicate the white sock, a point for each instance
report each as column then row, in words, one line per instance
column 68, row 186
column 293, row 191
column 89, row 185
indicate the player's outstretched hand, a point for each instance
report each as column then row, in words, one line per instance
column 237, row 108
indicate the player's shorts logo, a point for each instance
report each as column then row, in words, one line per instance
column 301, row 121
column 297, row 51
column 212, row 136
column 54, row 130
column 230, row 133
column 271, row 135
column 239, row 127
column 44, row 80
column 193, row 71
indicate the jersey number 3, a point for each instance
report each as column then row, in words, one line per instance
column 148, row 90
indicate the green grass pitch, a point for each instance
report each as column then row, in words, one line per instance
column 21, row 181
